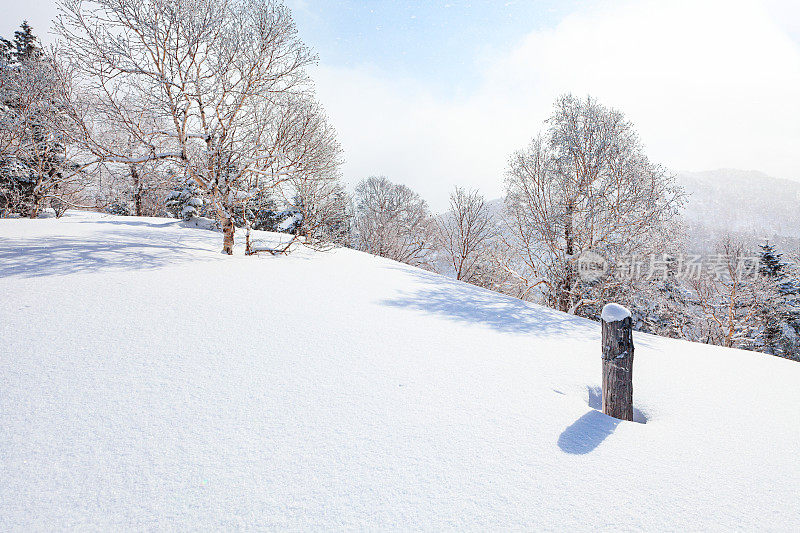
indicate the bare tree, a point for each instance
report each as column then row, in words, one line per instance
column 227, row 79
column 585, row 186
column 392, row 221
column 730, row 295
column 136, row 179
column 324, row 208
column 466, row 234
column 321, row 200
column 310, row 180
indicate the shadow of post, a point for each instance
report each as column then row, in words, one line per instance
column 587, row 433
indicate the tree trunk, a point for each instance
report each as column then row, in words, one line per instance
column 568, row 237
column 137, row 190
column 228, row 230
column 565, row 291
column 618, row 367
column 248, row 250
column 36, row 206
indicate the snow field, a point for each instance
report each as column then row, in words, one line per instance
column 150, row 382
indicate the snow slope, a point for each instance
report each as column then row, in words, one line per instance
column 146, row 381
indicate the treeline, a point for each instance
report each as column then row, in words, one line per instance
column 588, row 219
column 205, row 109
column 144, row 101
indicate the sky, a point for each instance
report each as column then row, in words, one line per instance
column 438, row 94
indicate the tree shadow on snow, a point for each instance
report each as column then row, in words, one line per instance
column 139, row 222
column 467, row 303
column 60, row 255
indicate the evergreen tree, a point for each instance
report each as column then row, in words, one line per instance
column 292, row 216
column 118, row 207
column 780, row 310
column 26, row 45
column 185, row 200
column 36, row 111
column 771, row 264
column 6, row 48
column 261, row 212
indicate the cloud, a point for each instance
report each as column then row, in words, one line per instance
column 708, row 84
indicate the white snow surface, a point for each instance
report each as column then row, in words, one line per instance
column 614, row 312
column 149, row 382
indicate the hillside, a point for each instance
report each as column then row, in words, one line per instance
column 149, row 382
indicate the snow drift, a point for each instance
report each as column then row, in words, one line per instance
column 150, row 382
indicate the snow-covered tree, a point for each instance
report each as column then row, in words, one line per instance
column 584, row 186
column 226, row 82
column 729, row 295
column 771, row 268
column 779, row 312
column 25, row 45
column 261, row 211
column 661, row 300
column 770, row 262
column 393, row 221
column 185, row 200
column 133, row 176
column 38, row 124
column 323, row 212
column 465, row 237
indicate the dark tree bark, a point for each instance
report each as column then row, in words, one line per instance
column 565, row 293
column 618, row 368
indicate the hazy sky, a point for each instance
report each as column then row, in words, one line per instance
column 434, row 94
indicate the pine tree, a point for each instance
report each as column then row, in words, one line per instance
column 6, row 49
column 770, row 268
column 185, row 200
column 24, row 47
column 291, row 218
column 26, row 44
column 771, row 264
column 35, row 107
column 261, row 212
column 780, row 311
column 118, row 207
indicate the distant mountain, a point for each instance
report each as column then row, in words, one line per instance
column 751, row 205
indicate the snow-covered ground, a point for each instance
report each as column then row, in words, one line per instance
column 147, row 381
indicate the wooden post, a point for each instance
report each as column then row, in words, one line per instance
column 617, row 362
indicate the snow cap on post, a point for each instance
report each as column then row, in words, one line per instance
column 614, row 313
